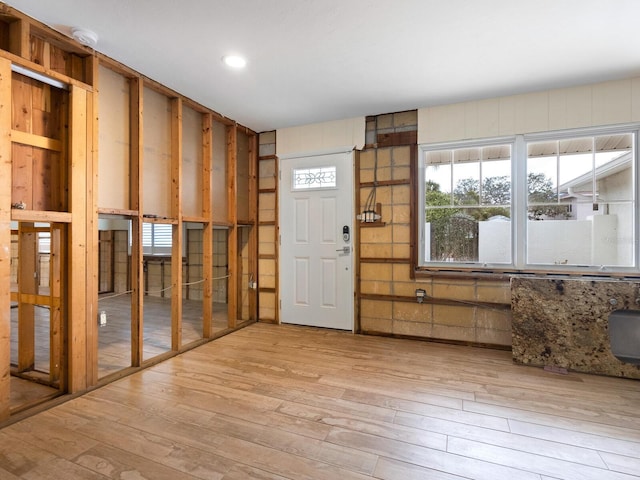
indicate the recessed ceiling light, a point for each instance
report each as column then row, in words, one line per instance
column 234, row 61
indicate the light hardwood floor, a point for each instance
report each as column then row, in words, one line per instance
column 286, row 402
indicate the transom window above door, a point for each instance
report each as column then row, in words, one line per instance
column 312, row 178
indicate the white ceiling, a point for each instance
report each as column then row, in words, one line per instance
column 317, row 60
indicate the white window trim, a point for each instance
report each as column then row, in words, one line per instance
column 421, row 192
column 519, row 202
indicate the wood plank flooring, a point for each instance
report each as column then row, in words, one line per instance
column 285, row 402
column 114, row 339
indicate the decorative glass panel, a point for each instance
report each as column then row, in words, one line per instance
column 307, row 178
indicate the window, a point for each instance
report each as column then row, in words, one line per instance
column 157, row 238
column 552, row 201
column 313, row 178
column 467, row 199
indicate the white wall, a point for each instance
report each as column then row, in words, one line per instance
column 494, row 242
column 576, row 242
column 574, row 107
column 318, row 137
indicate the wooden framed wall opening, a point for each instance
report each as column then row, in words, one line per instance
column 114, row 300
column 101, row 157
column 37, row 309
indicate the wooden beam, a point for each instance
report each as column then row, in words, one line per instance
column 45, row 71
column 34, row 140
column 5, row 237
column 397, row 139
column 232, row 256
column 40, row 216
column 77, row 293
column 135, row 195
column 207, row 234
column 36, row 299
column 176, row 214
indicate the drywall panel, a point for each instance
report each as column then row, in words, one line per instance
column 488, row 119
column 532, row 112
column 635, row 99
column 219, row 173
column 471, row 123
column 156, row 183
column 599, row 104
column 570, row 106
column 445, row 123
column 612, row 102
column 321, row 136
column 507, row 116
column 113, row 140
column 191, row 162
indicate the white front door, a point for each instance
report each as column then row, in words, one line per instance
column 316, row 240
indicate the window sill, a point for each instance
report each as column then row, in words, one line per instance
column 471, row 273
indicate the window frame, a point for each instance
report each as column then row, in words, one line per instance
column 519, row 205
column 154, row 244
column 424, row 149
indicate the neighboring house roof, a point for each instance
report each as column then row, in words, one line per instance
column 572, row 187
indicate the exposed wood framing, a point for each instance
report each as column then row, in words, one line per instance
column 385, row 260
column 77, row 288
column 36, row 216
column 436, row 301
column 356, row 246
column 413, row 228
column 56, row 327
column 19, row 38
column 27, row 285
column 176, row 214
column 207, row 234
column 92, row 225
column 61, row 189
column 45, row 71
column 135, row 194
column 5, row 236
column 277, row 236
column 253, row 218
column 233, row 258
column 39, row 141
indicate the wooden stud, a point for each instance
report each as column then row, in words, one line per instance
column 356, row 243
column 176, row 214
column 92, row 231
column 5, row 237
column 207, row 234
column 277, row 237
column 55, row 309
column 253, row 218
column 77, row 294
column 415, row 215
column 232, row 243
column 27, row 284
column 135, row 195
